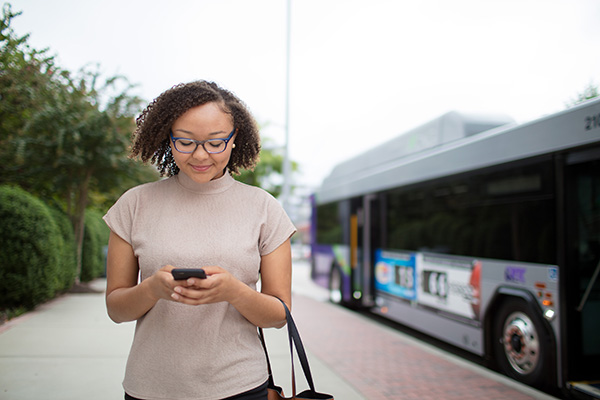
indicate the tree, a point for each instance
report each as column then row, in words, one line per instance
column 85, row 146
column 268, row 172
column 590, row 92
column 64, row 137
column 26, row 80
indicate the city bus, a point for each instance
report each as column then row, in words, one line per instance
column 479, row 232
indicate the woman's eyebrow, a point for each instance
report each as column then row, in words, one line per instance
column 192, row 133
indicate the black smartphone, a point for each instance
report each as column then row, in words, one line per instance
column 180, row 274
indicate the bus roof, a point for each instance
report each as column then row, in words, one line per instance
column 453, row 143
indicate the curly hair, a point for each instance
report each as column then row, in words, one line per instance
column 151, row 136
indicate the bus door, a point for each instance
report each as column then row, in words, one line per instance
column 356, row 231
column 582, row 272
column 363, row 232
column 370, row 236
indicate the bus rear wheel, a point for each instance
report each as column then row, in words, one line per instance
column 522, row 345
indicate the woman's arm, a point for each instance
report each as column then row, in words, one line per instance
column 126, row 300
column 261, row 309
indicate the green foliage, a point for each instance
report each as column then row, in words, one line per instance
column 67, row 270
column 94, row 239
column 27, row 78
column 268, row 172
column 590, row 92
column 64, row 137
column 31, row 249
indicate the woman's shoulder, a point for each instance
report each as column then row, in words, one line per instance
column 147, row 189
column 252, row 191
column 257, row 198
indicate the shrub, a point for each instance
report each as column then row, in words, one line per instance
column 67, row 270
column 94, row 239
column 30, row 241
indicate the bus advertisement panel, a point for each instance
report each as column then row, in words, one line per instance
column 449, row 284
column 395, row 273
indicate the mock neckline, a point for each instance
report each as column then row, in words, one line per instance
column 215, row 186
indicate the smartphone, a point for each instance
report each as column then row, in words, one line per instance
column 180, row 274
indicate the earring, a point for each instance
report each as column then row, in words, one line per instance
column 233, row 147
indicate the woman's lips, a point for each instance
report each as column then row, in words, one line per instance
column 200, row 168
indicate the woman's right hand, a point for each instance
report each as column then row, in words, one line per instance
column 126, row 299
column 162, row 284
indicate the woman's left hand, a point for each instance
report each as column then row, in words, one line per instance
column 218, row 286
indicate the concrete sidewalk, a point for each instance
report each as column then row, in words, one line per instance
column 70, row 349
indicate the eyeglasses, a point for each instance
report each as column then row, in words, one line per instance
column 212, row 146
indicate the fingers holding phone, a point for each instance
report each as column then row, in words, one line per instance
column 217, row 286
column 188, row 289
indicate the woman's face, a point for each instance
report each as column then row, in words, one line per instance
column 200, row 123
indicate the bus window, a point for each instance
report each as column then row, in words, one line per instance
column 506, row 214
column 329, row 226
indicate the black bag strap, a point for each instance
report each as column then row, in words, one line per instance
column 295, row 340
column 264, row 345
column 295, row 336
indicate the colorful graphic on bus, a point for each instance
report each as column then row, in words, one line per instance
column 445, row 283
column 450, row 284
column 395, row 274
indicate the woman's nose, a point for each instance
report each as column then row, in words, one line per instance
column 200, row 152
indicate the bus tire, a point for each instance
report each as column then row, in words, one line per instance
column 336, row 286
column 522, row 345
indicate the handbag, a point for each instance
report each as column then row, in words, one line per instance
column 276, row 392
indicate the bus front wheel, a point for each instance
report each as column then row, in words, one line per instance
column 521, row 345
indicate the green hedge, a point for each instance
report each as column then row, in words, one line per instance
column 95, row 238
column 68, row 254
column 38, row 250
column 31, row 246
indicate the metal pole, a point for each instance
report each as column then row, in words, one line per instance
column 285, row 192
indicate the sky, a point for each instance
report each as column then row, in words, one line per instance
column 360, row 73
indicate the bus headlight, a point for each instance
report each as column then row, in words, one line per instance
column 549, row 314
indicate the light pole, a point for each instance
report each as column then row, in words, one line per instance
column 285, row 191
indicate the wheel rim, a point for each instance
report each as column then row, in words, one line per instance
column 335, row 287
column 521, row 343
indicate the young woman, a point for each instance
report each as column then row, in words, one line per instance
column 197, row 338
